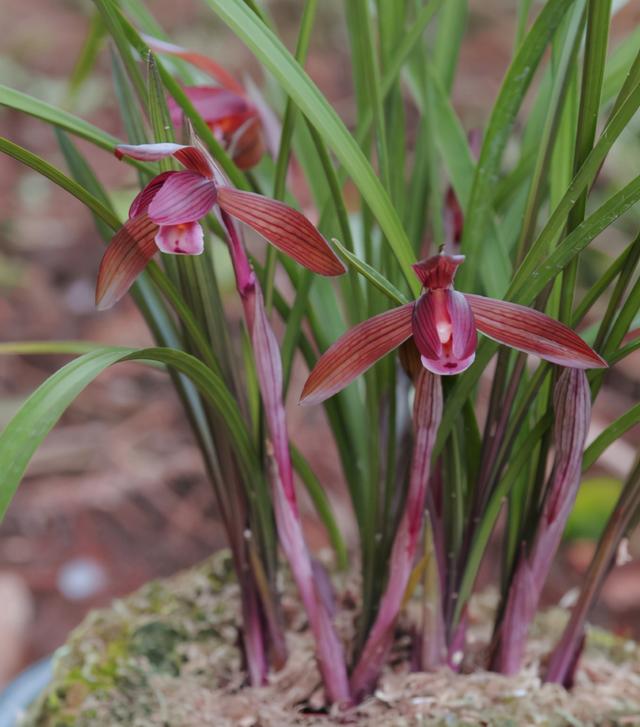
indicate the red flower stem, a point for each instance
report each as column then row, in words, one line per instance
column 329, row 650
column 427, row 413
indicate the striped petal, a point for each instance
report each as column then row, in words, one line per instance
column 190, row 157
column 356, row 351
column 184, row 197
column 185, row 239
column 533, row 332
column 283, row 227
column 125, row 258
column 143, row 199
column 444, row 332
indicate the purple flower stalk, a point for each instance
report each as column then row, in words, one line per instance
column 329, row 651
column 427, row 412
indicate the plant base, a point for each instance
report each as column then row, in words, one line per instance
column 168, row 655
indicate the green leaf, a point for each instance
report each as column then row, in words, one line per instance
column 25, row 432
column 55, row 175
column 613, row 432
column 277, row 59
column 504, row 112
column 52, row 115
column 371, row 274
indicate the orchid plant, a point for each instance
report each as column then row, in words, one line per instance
column 434, row 481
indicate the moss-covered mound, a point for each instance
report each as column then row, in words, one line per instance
column 169, row 656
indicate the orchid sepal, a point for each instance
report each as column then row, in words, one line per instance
column 531, row 331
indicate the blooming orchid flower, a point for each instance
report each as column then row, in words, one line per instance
column 444, row 323
column 239, row 119
column 233, row 120
column 164, row 216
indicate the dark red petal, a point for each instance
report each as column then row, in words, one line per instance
column 444, row 332
column 283, row 227
column 143, row 198
column 356, row 351
column 533, row 332
column 246, row 144
column 438, row 271
column 125, row 258
column 184, row 197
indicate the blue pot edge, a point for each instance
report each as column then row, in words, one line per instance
column 23, row 690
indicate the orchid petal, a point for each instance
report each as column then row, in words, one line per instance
column 198, row 60
column 143, row 199
column 189, row 156
column 284, row 227
column 125, row 258
column 246, row 145
column 356, row 351
column 184, row 197
column 185, row 239
column 214, row 104
column 444, row 332
column 533, row 332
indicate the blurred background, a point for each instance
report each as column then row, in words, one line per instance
column 116, row 495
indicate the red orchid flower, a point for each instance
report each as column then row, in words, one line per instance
column 444, row 325
column 242, row 124
column 164, row 216
column 233, row 120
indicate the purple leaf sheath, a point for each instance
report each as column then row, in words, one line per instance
column 427, row 412
column 329, row 650
column 572, row 404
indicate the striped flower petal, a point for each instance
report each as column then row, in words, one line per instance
column 184, row 197
column 444, row 331
column 283, row 227
column 143, row 199
column 356, row 351
column 125, row 258
column 185, row 239
column 191, row 157
column 533, row 332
